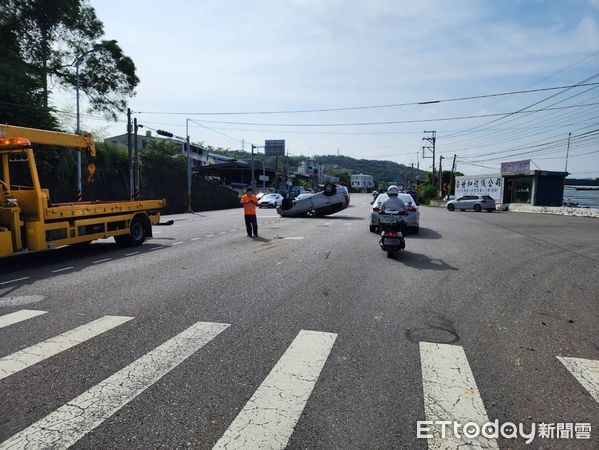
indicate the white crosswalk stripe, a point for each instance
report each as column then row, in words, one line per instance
column 19, row 316
column 29, row 356
column 450, row 393
column 586, row 371
column 69, row 423
column 269, row 417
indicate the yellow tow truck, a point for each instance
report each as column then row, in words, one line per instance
column 29, row 221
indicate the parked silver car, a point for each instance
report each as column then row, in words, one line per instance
column 412, row 219
column 475, row 202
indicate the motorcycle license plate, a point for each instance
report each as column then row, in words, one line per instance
column 391, row 241
column 389, row 219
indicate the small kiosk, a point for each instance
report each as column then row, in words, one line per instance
column 533, row 187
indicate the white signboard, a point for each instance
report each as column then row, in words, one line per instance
column 263, row 177
column 479, row 185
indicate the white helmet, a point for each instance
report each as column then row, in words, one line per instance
column 375, row 192
column 393, row 190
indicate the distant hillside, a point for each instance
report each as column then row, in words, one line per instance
column 380, row 170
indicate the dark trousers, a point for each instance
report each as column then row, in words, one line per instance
column 251, row 223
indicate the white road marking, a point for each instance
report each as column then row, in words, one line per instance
column 29, row 356
column 15, row 280
column 19, row 316
column 63, row 269
column 98, row 261
column 586, row 371
column 177, row 243
column 233, row 231
column 132, row 253
column 223, row 232
column 69, row 423
column 210, row 235
column 450, row 393
column 195, row 239
column 269, row 417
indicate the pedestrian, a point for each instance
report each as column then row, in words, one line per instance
column 249, row 202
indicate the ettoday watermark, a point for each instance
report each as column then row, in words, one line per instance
column 425, row 429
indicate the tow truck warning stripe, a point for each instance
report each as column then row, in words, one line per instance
column 19, row 316
column 69, row 423
column 586, row 371
column 269, row 417
column 451, row 394
column 29, row 356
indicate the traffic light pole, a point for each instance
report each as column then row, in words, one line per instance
column 130, row 152
column 188, row 145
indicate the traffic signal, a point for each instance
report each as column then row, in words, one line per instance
column 164, row 133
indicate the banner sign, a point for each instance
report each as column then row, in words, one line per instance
column 515, row 166
column 479, row 185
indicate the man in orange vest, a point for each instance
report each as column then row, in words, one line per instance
column 249, row 202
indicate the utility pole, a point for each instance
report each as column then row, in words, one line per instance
column 79, row 194
column 136, row 173
column 431, row 145
column 568, row 151
column 253, row 181
column 452, row 179
column 130, row 152
column 411, row 174
column 188, row 145
column 441, row 175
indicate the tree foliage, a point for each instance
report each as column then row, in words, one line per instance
column 21, row 95
column 53, row 36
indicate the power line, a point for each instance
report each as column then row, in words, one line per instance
column 528, row 113
column 353, row 108
column 533, row 104
column 394, row 122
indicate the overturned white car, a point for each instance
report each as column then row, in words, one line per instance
column 331, row 200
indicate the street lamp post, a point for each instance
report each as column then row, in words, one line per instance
column 78, row 60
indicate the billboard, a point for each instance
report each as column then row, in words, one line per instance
column 274, row 147
column 515, row 166
column 479, row 185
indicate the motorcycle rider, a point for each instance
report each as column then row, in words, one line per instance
column 394, row 203
column 375, row 194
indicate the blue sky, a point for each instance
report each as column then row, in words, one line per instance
column 234, row 56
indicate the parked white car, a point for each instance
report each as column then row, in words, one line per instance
column 270, row 201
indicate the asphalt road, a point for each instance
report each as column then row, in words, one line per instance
column 308, row 336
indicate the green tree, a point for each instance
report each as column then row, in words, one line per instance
column 21, row 95
column 165, row 151
column 54, row 35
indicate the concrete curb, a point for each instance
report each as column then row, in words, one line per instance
column 557, row 210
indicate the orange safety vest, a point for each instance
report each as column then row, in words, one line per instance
column 249, row 205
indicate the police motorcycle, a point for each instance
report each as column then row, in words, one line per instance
column 393, row 229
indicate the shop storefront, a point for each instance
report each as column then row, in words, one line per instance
column 533, row 187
